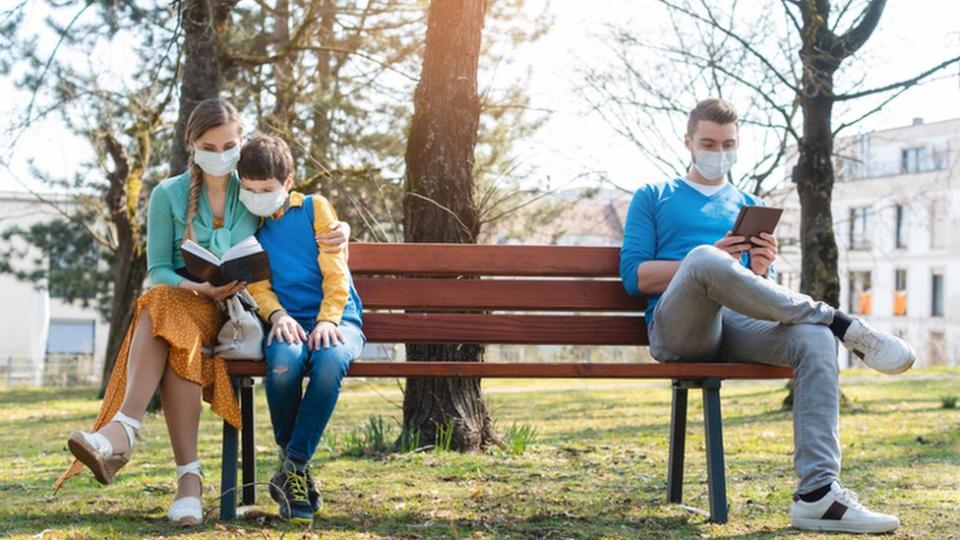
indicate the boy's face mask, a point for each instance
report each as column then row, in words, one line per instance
column 263, row 204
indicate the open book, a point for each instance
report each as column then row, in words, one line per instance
column 245, row 261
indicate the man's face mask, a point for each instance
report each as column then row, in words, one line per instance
column 713, row 165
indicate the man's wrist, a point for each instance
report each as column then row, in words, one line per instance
column 275, row 316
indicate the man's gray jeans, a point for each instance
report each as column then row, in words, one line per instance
column 717, row 310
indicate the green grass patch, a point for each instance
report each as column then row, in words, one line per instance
column 581, row 459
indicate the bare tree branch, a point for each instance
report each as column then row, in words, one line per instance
column 907, row 83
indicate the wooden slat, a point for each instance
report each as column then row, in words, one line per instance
column 514, row 329
column 504, row 294
column 673, row 370
column 484, row 260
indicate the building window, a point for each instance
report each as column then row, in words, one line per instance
column 859, row 296
column 913, row 160
column 936, row 300
column 899, row 232
column 900, row 293
column 859, row 227
column 938, row 223
column 71, row 337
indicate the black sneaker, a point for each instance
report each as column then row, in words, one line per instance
column 293, row 494
column 276, row 488
column 276, row 483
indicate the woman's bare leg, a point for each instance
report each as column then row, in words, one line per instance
column 181, row 408
column 145, row 367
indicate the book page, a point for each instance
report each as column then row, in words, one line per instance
column 243, row 248
column 196, row 249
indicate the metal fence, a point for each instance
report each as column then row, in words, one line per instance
column 56, row 370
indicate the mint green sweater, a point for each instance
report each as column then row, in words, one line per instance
column 166, row 220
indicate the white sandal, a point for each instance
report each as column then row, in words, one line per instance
column 187, row 510
column 96, row 452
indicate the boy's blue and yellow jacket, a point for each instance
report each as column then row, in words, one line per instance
column 308, row 283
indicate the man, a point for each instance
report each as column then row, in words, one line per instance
column 710, row 298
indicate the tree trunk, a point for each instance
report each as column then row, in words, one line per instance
column 203, row 66
column 439, row 206
column 813, row 175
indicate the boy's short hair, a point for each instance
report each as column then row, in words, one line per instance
column 264, row 158
column 716, row 110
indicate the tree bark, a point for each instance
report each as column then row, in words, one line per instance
column 439, row 206
column 204, row 22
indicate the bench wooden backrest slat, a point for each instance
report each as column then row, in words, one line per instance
column 502, row 294
column 505, row 329
column 484, row 260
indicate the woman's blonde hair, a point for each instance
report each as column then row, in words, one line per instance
column 208, row 114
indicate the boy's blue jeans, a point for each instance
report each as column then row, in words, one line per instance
column 298, row 417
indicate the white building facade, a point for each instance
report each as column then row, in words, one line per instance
column 896, row 210
column 43, row 339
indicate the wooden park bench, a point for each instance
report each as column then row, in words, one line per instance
column 579, row 285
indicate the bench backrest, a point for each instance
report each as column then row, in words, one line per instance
column 528, row 294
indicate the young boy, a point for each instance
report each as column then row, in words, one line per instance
column 314, row 311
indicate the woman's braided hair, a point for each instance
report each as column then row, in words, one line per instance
column 208, row 114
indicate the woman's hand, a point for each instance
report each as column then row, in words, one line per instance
column 335, row 238
column 286, row 329
column 762, row 254
column 213, row 292
column 734, row 245
column 326, row 333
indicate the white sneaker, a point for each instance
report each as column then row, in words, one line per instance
column 881, row 351
column 839, row 511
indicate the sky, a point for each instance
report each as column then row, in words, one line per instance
column 575, row 145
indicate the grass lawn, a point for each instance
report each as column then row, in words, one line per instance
column 596, row 469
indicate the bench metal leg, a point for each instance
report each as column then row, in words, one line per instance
column 249, row 452
column 713, row 431
column 228, row 474
column 678, row 433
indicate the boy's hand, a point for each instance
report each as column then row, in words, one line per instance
column 325, row 333
column 762, row 254
column 734, row 245
column 335, row 238
column 286, row 329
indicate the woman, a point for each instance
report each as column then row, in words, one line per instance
column 174, row 319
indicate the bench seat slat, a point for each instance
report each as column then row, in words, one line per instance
column 503, row 294
column 484, row 260
column 505, row 329
column 674, row 370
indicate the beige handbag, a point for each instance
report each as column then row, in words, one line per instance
column 241, row 337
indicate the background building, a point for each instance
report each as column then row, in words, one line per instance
column 896, row 209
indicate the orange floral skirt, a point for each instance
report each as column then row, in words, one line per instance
column 187, row 321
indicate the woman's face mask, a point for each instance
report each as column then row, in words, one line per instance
column 263, row 204
column 217, row 163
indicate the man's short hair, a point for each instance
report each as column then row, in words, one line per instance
column 716, row 110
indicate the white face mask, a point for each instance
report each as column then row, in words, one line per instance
column 713, row 165
column 263, row 204
column 217, row 163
